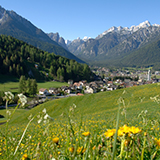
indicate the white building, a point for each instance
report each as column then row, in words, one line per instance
column 149, row 75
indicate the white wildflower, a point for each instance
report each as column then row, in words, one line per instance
column 74, row 105
column 44, row 121
column 124, row 92
column 145, row 111
column 141, row 99
column 8, row 112
column 71, row 109
column 30, row 117
column 22, row 99
column 40, row 120
column 8, row 96
column 44, row 111
column 62, row 115
column 155, row 99
column 46, row 116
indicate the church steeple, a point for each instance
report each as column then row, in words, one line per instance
column 149, row 75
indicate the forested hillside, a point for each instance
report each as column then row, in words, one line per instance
column 12, row 24
column 148, row 55
column 18, row 58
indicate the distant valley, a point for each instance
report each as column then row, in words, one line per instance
column 120, row 46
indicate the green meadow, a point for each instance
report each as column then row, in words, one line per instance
column 84, row 127
column 10, row 83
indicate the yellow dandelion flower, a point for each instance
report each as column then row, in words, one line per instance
column 135, row 130
column 125, row 129
column 55, row 140
column 110, row 133
column 71, row 149
column 22, row 145
column 84, row 149
column 79, row 150
column 120, row 133
column 86, row 133
column 157, row 142
column 94, row 148
column 25, row 157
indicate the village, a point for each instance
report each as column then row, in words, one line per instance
column 105, row 80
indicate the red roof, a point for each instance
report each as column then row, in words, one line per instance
column 110, row 82
column 42, row 89
column 80, row 94
column 76, row 84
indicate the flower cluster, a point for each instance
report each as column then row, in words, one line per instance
column 8, row 96
column 122, row 130
column 128, row 130
column 22, row 99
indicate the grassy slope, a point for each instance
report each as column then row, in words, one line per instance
column 102, row 106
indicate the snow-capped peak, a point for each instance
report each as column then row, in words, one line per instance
column 126, row 29
column 144, row 24
column 156, row 25
column 112, row 29
column 86, row 38
column 67, row 42
column 141, row 25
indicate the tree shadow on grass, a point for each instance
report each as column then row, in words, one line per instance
column 8, row 78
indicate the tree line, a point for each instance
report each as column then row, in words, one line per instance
column 18, row 58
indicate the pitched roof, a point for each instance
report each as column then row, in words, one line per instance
column 42, row 89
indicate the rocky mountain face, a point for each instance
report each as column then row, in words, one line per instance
column 115, row 43
column 75, row 45
column 14, row 25
column 60, row 40
column 67, row 42
column 11, row 23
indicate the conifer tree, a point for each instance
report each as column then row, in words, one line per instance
column 22, row 85
column 34, row 87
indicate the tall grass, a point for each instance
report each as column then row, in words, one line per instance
column 126, row 126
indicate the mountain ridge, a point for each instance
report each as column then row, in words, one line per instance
column 116, row 42
column 18, row 27
column 109, row 46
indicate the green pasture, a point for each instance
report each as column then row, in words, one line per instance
column 53, row 84
column 102, row 105
column 8, row 83
column 91, row 114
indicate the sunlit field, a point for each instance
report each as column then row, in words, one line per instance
column 122, row 124
column 14, row 86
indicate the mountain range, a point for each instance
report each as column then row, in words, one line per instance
column 18, row 27
column 117, row 46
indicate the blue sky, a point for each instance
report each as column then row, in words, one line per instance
column 79, row 18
